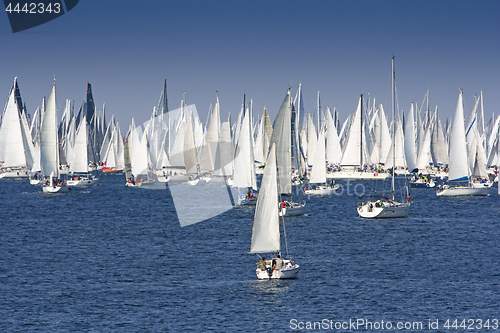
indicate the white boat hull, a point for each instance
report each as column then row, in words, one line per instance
column 289, row 271
column 351, row 175
column 145, row 184
column 14, row 174
column 55, row 189
column 294, row 210
column 370, row 209
column 322, row 190
column 82, row 182
column 420, row 183
column 463, row 191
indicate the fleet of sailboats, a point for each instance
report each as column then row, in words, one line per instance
column 270, row 165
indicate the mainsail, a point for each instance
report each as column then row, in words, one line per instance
column 458, row 166
column 49, row 147
column 266, row 230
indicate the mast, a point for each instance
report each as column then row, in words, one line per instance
column 165, row 100
column 394, row 126
column 318, row 111
column 482, row 113
column 361, row 134
column 299, row 105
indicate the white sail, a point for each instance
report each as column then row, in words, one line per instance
column 399, row 159
column 479, row 169
column 333, row 149
column 424, row 155
column 244, row 170
column 127, row 152
column 375, row 133
column 177, row 152
column 207, row 162
column 162, row 159
column 438, row 143
column 266, row 231
column 351, row 155
column 11, row 138
column 458, row 166
column 78, row 160
column 493, row 137
column 138, row 152
column 225, row 166
column 109, row 154
column 120, row 158
column 312, row 140
column 385, row 135
column 189, row 148
column 470, row 136
column 49, row 146
column 409, row 134
column 318, row 171
column 29, row 149
column 268, row 132
column 259, row 145
column 283, row 140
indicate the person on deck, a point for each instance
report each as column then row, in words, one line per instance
column 262, row 264
column 278, row 263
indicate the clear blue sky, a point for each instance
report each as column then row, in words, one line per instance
column 125, row 49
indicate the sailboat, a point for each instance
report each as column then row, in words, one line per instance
column 16, row 148
column 384, row 207
column 137, row 169
column 458, row 167
column 318, row 184
column 244, row 169
column 266, row 228
column 80, row 175
column 49, row 147
column 283, row 136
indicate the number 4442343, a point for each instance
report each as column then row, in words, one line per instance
column 34, row 8
column 472, row 324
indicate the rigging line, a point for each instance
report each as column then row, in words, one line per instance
column 284, row 233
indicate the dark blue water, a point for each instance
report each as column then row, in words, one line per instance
column 114, row 259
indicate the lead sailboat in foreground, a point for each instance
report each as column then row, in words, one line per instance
column 266, row 228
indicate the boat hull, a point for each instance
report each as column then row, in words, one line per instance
column 352, row 175
column 322, row 190
column 82, row 182
column 247, row 199
column 290, row 271
column 463, row 191
column 295, row 210
column 388, row 210
column 14, row 174
column 55, row 189
column 422, row 184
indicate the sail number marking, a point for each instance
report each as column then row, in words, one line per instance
column 34, row 8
